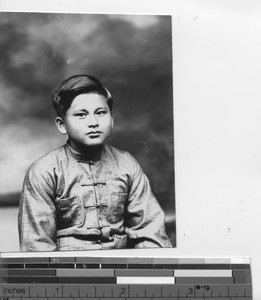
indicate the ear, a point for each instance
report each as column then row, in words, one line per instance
column 112, row 120
column 59, row 122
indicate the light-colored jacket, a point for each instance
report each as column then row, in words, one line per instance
column 71, row 203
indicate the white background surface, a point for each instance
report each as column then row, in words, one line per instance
column 217, row 115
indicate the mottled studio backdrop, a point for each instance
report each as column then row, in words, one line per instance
column 131, row 55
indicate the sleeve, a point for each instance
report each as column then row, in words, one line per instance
column 37, row 214
column 145, row 225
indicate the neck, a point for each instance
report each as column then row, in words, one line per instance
column 86, row 153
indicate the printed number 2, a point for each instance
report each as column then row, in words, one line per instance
column 123, row 291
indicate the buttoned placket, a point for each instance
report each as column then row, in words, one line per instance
column 97, row 205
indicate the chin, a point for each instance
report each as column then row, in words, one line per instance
column 94, row 142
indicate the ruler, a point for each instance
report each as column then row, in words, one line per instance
column 129, row 278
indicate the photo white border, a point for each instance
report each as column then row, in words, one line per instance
column 218, row 40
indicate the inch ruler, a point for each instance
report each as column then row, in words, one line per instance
column 129, row 278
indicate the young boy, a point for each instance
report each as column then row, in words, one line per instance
column 87, row 195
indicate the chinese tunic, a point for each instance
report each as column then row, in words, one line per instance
column 70, row 202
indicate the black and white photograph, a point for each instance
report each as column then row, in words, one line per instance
column 132, row 127
column 87, row 141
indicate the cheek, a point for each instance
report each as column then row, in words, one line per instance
column 109, row 127
column 75, row 124
column 107, row 124
column 74, row 129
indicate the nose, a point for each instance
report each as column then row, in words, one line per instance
column 92, row 121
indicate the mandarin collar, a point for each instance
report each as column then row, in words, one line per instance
column 87, row 156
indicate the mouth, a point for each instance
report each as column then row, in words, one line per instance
column 94, row 133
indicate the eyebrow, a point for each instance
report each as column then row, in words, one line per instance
column 85, row 110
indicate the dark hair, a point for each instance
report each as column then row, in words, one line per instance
column 65, row 92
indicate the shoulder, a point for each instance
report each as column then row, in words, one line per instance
column 124, row 159
column 46, row 163
column 118, row 153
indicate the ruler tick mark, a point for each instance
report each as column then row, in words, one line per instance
column 181, row 288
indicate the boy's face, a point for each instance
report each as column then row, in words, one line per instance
column 87, row 122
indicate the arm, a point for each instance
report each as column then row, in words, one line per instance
column 145, row 217
column 37, row 216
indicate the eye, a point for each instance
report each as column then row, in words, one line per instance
column 80, row 115
column 101, row 112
